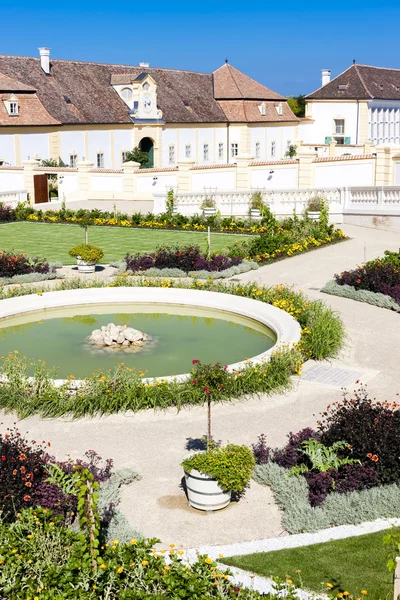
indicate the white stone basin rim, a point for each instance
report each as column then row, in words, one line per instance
column 286, row 328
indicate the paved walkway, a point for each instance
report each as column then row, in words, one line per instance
column 154, row 443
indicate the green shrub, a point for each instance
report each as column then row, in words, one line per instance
column 87, row 252
column 231, row 466
column 316, row 203
column 348, row 291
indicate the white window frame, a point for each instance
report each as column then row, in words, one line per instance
column 273, row 149
column 13, row 108
column 100, row 160
column 73, row 159
column 220, row 150
column 206, row 152
column 171, row 154
column 234, row 149
column 257, row 152
column 339, row 129
column 188, row 151
column 123, row 156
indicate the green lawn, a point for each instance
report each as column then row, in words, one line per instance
column 352, row 564
column 53, row 240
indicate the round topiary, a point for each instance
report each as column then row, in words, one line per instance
column 87, row 252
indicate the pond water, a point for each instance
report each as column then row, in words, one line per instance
column 178, row 335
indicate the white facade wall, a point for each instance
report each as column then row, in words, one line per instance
column 156, row 183
column 384, row 122
column 187, row 137
column 123, row 142
column 205, row 136
column 32, row 144
column 203, row 181
column 67, row 186
column 221, row 137
column 168, row 137
column 12, row 180
column 344, row 174
column 274, row 178
column 99, row 141
column 106, row 183
column 72, row 142
column 7, row 149
column 274, row 141
column 323, row 115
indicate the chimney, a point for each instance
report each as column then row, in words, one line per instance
column 326, row 76
column 144, row 64
column 45, row 59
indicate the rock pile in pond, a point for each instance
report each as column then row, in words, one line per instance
column 118, row 336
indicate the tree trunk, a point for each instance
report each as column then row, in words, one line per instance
column 86, row 235
column 208, row 422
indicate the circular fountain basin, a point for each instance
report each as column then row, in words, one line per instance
column 183, row 324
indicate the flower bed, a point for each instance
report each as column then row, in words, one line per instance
column 122, row 389
column 377, row 282
column 345, row 472
column 18, row 268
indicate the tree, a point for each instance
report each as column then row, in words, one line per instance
column 291, row 152
column 137, row 155
column 298, row 105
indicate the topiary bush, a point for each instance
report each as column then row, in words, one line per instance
column 87, row 252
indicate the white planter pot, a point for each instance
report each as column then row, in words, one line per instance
column 204, row 492
column 84, row 266
column 313, row 215
column 255, row 213
column 209, row 211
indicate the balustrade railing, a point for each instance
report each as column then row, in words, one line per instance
column 12, row 198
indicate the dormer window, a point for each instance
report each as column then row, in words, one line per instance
column 279, row 109
column 126, row 93
column 12, row 106
column 263, row 109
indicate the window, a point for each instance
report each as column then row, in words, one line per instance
column 220, row 150
column 126, row 93
column 273, row 148
column 258, row 149
column 73, row 159
column 234, row 149
column 100, row 160
column 339, row 126
column 13, row 108
column 263, row 109
column 171, row 154
column 123, row 156
column 279, row 109
column 205, row 152
column 339, row 140
column 145, row 86
column 188, row 151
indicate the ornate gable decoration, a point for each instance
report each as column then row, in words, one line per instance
column 139, row 93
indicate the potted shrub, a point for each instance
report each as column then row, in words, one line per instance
column 212, row 476
column 86, row 257
column 208, row 207
column 256, row 205
column 314, row 206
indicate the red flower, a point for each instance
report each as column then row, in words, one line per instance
column 28, row 484
column 15, row 472
column 225, row 367
column 206, row 390
column 27, row 498
column 194, row 361
column 3, row 458
column 22, row 457
column 375, row 458
column 194, row 380
column 369, row 455
column 22, row 469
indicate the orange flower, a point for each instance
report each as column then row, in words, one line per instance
column 22, row 457
column 26, row 498
column 375, row 458
column 369, row 455
column 22, row 469
column 28, row 484
column 15, row 472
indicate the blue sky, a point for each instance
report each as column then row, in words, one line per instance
column 283, row 44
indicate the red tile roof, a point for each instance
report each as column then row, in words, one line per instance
column 247, row 111
column 231, row 84
column 336, row 158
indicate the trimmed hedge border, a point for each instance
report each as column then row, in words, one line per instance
column 348, row 291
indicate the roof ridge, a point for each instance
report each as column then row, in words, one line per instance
column 362, row 81
column 105, row 64
column 382, row 68
column 329, row 82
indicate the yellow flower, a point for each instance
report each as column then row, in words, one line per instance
column 329, row 585
column 289, row 581
column 364, row 592
column 208, row 560
column 180, row 552
column 346, row 593
column 120, row 569
column 221, row 555
column 103, row 566
column 133, row 542
column 145, row 563
column 340, row 595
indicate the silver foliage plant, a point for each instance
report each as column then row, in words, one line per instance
column 348, row 291
column 243, row 267
column 110, row 493
column 291, row 495
column 30, row 278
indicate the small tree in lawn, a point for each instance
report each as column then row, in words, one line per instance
column 212, row 380
column 85, row 222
